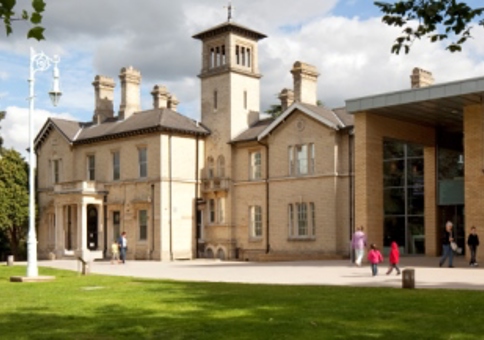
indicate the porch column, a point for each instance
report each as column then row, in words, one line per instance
column 474, row 169
column 82, row 227
column 59, row 231
column 101, row 229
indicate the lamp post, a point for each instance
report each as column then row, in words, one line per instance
column 38, row 62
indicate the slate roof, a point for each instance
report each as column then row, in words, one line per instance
column 139, row 123
column 253, row 131
column 335, row 119
column 229, row 27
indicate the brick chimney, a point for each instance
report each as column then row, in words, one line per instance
column 160, row 97
column 130, row 92
column 173, row 102
column 103, row 98
column 305, row 83
column 287, row 98
column 421, row 78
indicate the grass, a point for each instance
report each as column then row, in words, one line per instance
column 103, row 307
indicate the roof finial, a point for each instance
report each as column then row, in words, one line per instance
column 229, row 11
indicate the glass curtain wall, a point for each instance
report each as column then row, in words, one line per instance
column 403, row 187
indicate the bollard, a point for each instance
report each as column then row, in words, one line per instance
column 10, row 260
column 408, row 278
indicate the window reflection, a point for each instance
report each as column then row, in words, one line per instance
column 403, row 182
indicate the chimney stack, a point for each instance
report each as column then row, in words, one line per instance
column 160, row 97
column 287, row 98
column 421, row 78
column 173, row 102
column 103, row 98
column 130, row 92
column 305, row 83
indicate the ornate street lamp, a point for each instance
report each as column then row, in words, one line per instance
column 38, row 62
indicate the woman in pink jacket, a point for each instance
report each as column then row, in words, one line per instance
column 374, row 257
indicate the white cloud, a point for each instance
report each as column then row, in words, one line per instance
column 352, row 54
column 15, row 126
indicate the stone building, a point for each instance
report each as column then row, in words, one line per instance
column 237, row 185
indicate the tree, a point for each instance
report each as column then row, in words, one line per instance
column 9, row 13
column 14, row 198
column 436, row 19
column 275, row 110
column 2, row 116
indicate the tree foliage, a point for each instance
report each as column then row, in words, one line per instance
column 10, row 12
column 14, row 198
column 436, row 19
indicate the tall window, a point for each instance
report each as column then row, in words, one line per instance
column 301, row 221
column 255, row 220
column 221, row 166
column 403, row 196
column 304, row 156
column 256, row 165
column 311, row 158
column 211, row 211
column 56, row 171
column 221, row 210
column 290, row 151
column 290, row 218
column 245, row 99
column 116, row 166
column 313, row 218
column 91, row 168
column 302, row 159
column 210, row 167
column 143, row 162
column 215, row 100
column 116, row 224
column 143, row 225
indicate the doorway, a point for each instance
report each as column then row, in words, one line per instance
column 92, row 227
column 455, row 214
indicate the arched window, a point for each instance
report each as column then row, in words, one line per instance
column 221, row 166
column 210, row 167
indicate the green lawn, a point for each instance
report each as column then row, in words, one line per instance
column 103, row 307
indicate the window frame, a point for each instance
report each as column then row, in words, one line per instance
column 142, row 164
column 142, row 228
column 56, row 171
column 255, row 170
column 116, row 175
column 91, row 167
column 256, row 223
column 211, row 211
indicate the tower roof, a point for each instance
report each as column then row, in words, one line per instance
column 230, row 27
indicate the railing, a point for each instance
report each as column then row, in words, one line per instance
column 215, row 184
column 78, row 186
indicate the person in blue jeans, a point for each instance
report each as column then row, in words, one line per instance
column 447, row 251
column 123, row 246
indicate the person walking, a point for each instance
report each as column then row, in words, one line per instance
column 123, row 246
column 374, row 257
column 447, row 251
column 394, row 258
column 359, row 244
column 473, row 243
column 115, row 252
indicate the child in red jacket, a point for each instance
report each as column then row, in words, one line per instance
column 394, row 258
column 374, row 257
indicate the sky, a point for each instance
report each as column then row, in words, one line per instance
column 344, row 39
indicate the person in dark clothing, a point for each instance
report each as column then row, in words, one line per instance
column 447, row 251
column 473, row 242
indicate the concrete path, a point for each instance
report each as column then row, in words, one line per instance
column 339, row 272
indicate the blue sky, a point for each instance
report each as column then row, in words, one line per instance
column 344, row 39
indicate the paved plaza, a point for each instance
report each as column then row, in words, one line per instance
column 330, row 272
